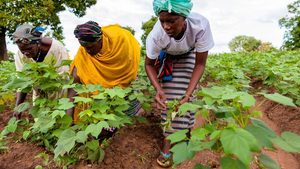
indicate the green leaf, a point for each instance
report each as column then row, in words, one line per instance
column 60, row 113
column 262, row 125
column 247, row 100
column 214, row 92
column 43, row 124
column 187, row 107
column 93, row 88
column 177, row 136
column 19, row 83
column 234, row 142
column 101, row 106
column 65, row 62
column 56, row 133
column 261, row 135
column 65, row 121
column 199, row 134
column 200, row 166
column 229, row 163
column 87, row 112
column 215, row 134
column 292, row 139
column 276, row 97
column 105, row 116
column 230, row 96
column 81, row 137
column 26, row 135
column 122, row 108
column 38, row 167
column 11, row 126
column 181, row 153
column 65, row 104
column 99, row 96
column 92, row 128
column 68, row 86
column 208, row 100
column 267, row 162
column 118, row 101
column 199, row 146
column 95, row 129
column 22, row 107
column 65, row 142
column 251, row 140
column 81, row 89
column 102, row 155
column 93, row 155
column 284, row 145
column 116, row 91
column 82, row 99
column 93, row 145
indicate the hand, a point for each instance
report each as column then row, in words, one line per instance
column 185, row 99
column 161, row 100
column 17, row 115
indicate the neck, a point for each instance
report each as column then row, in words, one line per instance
column 37, row 58
column 181, row 33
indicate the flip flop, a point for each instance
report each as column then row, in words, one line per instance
column 165, row 160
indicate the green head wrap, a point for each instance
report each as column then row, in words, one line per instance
column 181, row 7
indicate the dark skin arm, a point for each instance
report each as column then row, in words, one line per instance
column 72, row 92
column 196, row 75
column 198, row 71
column 160, row 97
column 20, row 98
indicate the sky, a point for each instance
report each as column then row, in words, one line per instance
column 228, row 19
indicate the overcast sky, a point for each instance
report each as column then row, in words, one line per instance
column 228, row 18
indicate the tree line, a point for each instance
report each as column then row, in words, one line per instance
column 13, row 13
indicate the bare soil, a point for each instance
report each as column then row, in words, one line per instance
column 137, row 146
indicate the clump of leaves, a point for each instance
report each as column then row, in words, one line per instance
column 7, row 70
column 235, row 132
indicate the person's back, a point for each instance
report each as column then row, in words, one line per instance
column 108, row 56
column 114, row 64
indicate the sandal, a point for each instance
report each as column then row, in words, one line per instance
column 165, row 160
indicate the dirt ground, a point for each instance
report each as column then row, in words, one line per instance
column 137, row 146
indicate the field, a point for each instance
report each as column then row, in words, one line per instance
column 272, row 79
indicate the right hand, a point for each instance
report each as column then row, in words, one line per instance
column 161, row 100
column 17, row 115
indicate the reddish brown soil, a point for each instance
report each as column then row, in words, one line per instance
column 137, row 146
column 281, row 118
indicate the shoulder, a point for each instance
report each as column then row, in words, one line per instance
column 198, row 21
column 47, row 41
column 157, row 31
column 57, row 43
column 113, row 30
column 158, row 36
column 57, row 50
column 56, row 46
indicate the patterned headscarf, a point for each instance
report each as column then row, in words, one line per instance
column 27, row 34
column 181, row 7
column 88, row 32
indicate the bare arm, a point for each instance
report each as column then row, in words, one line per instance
column 20, row 98
column 72, row 92
column 196, row 75
column 160, row 97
